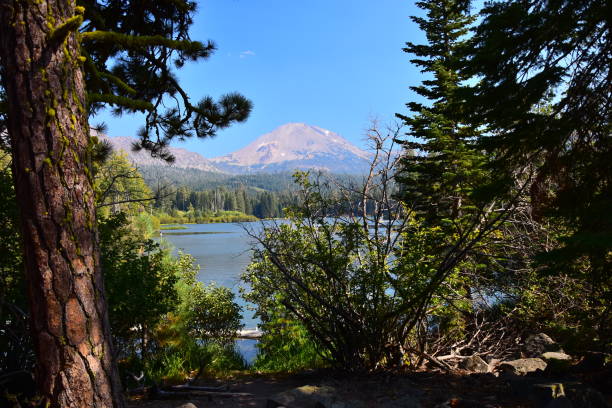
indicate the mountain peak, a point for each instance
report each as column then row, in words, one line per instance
column 296, row 146
column 289, row 147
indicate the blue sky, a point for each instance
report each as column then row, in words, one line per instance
column 331, row 63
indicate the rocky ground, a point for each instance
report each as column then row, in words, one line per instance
column 424, row 389
column 541, row 376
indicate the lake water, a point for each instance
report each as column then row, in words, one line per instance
column 223, row 253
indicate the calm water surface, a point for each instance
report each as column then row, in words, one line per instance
column 223, row 254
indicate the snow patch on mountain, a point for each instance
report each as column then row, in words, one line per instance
column 296, row 146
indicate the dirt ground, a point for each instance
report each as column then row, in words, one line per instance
column 430, row 389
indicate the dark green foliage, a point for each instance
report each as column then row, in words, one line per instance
column 220, row 201
column 443, row 168
column 544, row 94
column 207, row 312
column 555, row 54
column 285, row 345
column 15, row 347
column 139, row 280
column 441, row 174
column 211, row 313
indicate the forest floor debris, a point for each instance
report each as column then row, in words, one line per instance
column 426, row 389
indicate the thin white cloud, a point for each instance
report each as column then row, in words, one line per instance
column 247, row 53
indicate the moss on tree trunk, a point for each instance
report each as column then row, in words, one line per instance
column 49, row 135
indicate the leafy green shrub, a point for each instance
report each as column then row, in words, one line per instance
column 140, row 280
column 210, row 313
column 286, row 346
column 206, row 312
column 334, row 269
column 165, row 323
column 196, row 337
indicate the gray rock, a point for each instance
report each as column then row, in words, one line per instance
column 522, row 366
column 540, row 343
column 474, row 363
column 307, row 396
column 187, row 405
column 554, row 355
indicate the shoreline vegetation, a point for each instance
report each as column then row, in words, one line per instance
column 189, row 217
column 171, row 227
column 191, row 233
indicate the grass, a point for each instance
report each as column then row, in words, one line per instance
column 172, row 227
column 175, row 365
column 218, row 217
column 196, row 233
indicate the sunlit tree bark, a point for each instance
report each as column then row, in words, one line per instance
column 49, row 136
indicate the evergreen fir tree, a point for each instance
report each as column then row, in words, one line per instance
column 440, row 174
column 443, row 168
column 553, row 54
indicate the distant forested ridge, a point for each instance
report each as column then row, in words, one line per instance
column 196, row 179
column 199, row 192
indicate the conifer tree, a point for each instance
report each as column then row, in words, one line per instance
column 59, row 62
column 553, row 54
column 440, row 172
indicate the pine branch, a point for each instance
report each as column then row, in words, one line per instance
column 194, row 49
column 117, row 81
column 59, row 34
column 133, row 104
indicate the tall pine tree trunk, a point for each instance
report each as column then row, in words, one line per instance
column 50, row 142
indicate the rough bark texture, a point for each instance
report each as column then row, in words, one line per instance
column 50, row 141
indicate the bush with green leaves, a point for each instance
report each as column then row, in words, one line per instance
column 333, row 268
column 140, row 279
column 286, row 345
column 207, row 312
column 196, row 336
column 210, row 313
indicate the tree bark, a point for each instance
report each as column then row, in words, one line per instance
column 49, row 133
